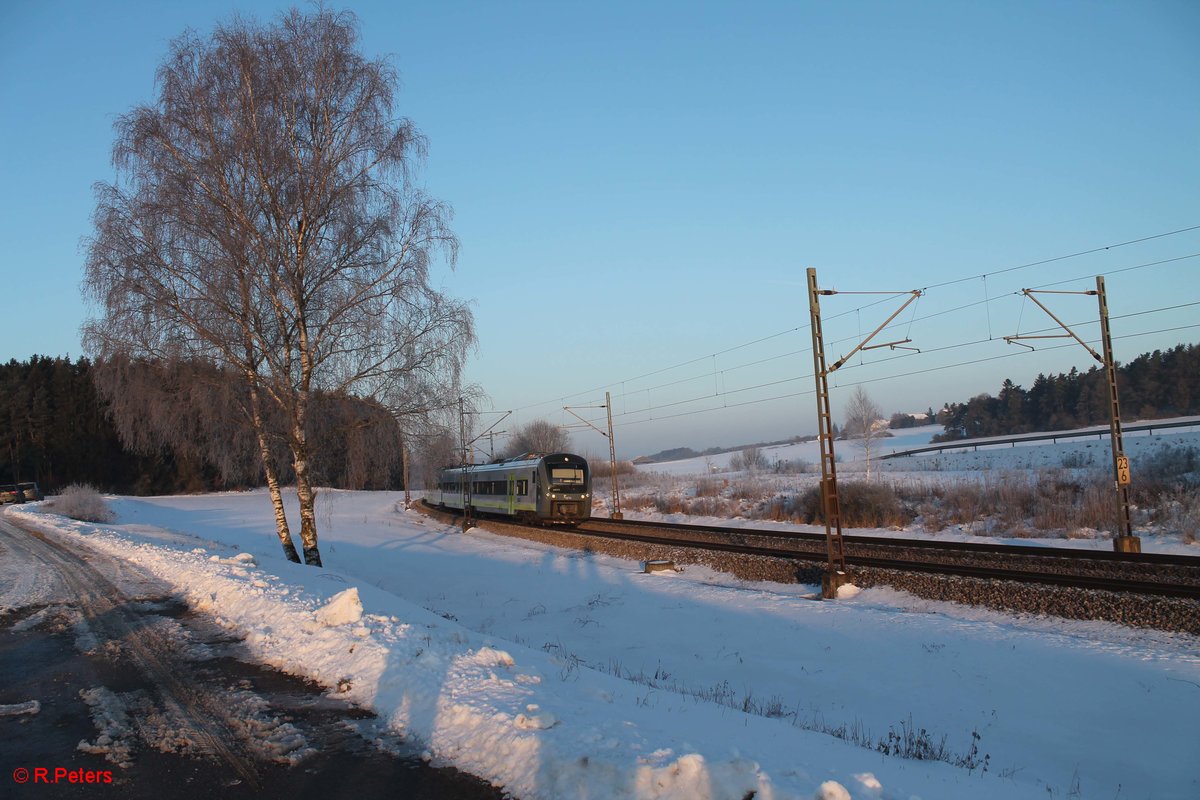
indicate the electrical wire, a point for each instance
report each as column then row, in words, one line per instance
column 868, row 381
column 1064, row 258
column 929, row 316
column 1042, row 286
column 1118, row 271
column 926, row 352
column 858, row 309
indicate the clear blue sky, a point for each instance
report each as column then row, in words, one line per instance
column 642, row 185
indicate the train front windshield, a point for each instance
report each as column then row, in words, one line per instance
column 566, row 478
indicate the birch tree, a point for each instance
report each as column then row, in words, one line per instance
column 538, row 436
column 862, row 420
column 265, row 219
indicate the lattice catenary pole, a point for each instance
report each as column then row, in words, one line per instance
column 1124, row 541
column 835, row 570
column 836, row 573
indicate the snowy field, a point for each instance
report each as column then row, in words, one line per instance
column 559, row 674
column 1080, row 458
column 1083, row 451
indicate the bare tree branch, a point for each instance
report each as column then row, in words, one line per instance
column 864, row 420
column 266, row 222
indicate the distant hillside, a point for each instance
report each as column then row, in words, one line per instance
column 1154, row 385
column 681, row 453
column 674, row 454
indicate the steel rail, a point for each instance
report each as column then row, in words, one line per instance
column 1103, row 583
column 640, row 531
column 1077, row 554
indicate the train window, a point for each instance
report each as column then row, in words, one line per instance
column 494, row 488
column 521, row 486
column 566, row 475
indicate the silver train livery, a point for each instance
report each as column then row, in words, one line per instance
column 554, row 488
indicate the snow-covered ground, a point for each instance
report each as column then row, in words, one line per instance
column 807, row 452
column 1079, row 452
column 560, row 674
column 1079, row 458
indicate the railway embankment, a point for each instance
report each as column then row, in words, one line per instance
column 1144, row 592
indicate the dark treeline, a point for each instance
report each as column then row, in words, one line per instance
column 1152, row 386
column 901, row 420
column 57, row 430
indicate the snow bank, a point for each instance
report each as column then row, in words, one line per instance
column 18, row 709
column 342, row 609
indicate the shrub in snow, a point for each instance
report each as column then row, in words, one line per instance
column 1171, row 463
column 862, row 505
column 1181, row 515
column 602, row 467
column 750, row 460
column 1022, row 503
column 82, row 502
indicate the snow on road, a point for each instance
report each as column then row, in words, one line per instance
column 561, row 674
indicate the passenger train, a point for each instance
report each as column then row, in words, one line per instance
column 534, row 487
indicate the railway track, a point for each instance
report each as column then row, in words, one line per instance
column 1145, row 574
column 1145, row 590
column 1139, row 573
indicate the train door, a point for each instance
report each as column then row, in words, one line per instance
column 512, row 495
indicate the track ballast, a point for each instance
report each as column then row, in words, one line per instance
column 1143, row 590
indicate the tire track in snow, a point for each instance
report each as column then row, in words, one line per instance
column 111, row 616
